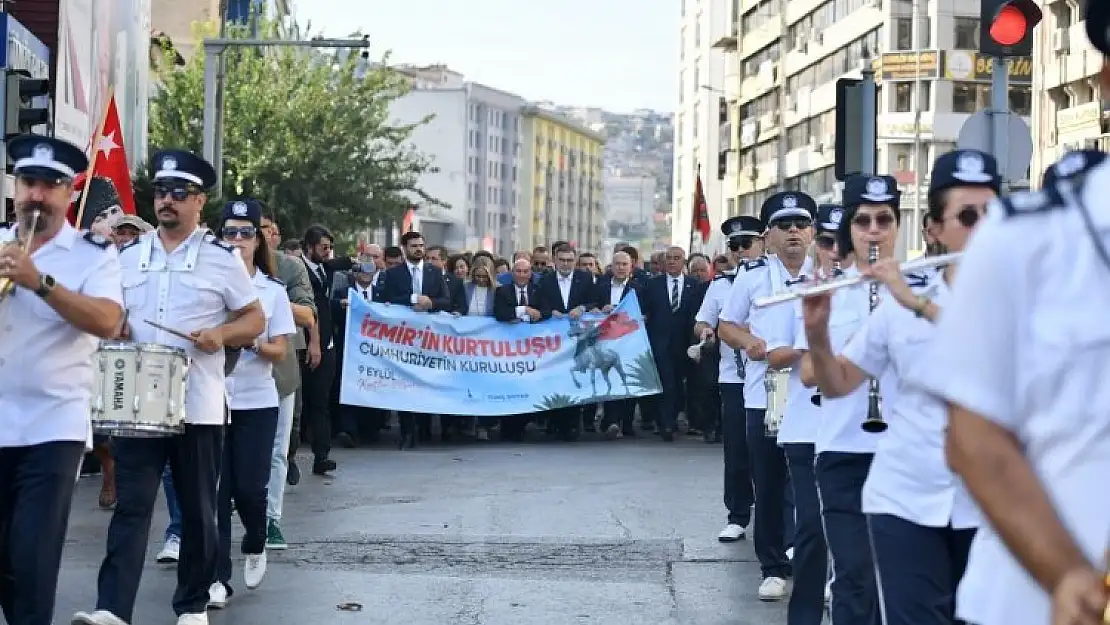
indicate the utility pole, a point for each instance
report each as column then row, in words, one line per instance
column 918, row 165
column 780, row 80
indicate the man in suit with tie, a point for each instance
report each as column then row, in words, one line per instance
column 519, row 301
column 357, row 423
column 419, row 285
column 608, row 292
column 568, row 291
column 437, row 256
column 669, row 310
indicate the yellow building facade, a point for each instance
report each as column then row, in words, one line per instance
column 561, row 191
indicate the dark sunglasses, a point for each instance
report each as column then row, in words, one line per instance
column 882, row 220
column 741, row 243
column 969, row 215
column 801, row 223
column 177, row 194
column 826, row 242
column 238, row 232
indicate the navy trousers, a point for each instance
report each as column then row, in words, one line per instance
column 36, row 488
column 194, row 458
column 840, row 477
column 768, row 466
column 245, row 477
column 739, row 495
column 811, row 562
column 919, row 569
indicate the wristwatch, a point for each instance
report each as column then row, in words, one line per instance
column 922, row 303
column 46, row 285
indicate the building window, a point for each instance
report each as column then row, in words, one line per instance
column 903, row 97
column 697, row 33
column 925, row 97
column 1021, row 100
column 682, row 45
column 969, row 97
column 903, row 34
column 694, row 120
column 967, row 33
column 681, row 85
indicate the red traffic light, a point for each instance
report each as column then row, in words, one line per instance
column 1010, row 27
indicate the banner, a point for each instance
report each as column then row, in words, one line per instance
column 437, row 363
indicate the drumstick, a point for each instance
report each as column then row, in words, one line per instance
column 178, row 333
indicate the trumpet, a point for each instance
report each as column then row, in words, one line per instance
column 874, row 423
column 827, row 286
column 7, row 285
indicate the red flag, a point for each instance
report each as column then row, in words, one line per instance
column 701, row 211
column 407, row 223
column 108, row 160
column 617, row 325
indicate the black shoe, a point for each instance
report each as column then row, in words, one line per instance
column 293, row 477
column 323, row 467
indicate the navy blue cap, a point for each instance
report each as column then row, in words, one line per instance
column 246, row 208
column 1072, row 164
column 742, row 226
column 46, row 158
column 787, row 204
column 182, row 165
column 1098, row 24
column 829, row 217
column 861, row 189
column 964, row 168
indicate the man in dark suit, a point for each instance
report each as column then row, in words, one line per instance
column 609, row 290
column 567, row 291
column 669, row 308
column 420, row 285
column 520, row 301
column 357, row 423
column 437, row 256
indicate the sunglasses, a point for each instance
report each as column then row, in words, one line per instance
column 238, row 232
column 969, row 215
column 177, row 194
column 825, row 242
column 801, row 223
column 741, row 243
column 883, row 221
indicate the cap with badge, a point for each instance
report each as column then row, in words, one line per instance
column 964, row 168
column 787, row 205
column 860, row 189
column 1073, row 164
column 1098, row 24
column 182, row 166
column 246, row 209
column 45, row 158
column 742, row 226
column 829, row 217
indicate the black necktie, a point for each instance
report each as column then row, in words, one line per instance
column 523, row 296
column 674, row 295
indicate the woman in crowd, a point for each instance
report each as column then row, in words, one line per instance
column 458, row 266
column 479, row 297
column 253, row 401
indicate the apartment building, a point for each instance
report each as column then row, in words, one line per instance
column 176, row 18
column 561, row 188
column 789, row 62
column 1070, row 111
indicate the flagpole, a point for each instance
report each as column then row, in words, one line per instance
column 95, row 155
column 697, row 208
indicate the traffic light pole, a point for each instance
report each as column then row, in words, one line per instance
column 1000, row 110
column 868, row 113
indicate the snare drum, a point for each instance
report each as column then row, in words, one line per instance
column 139, row 390
column 776, row 383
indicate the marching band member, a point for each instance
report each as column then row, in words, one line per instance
column 789, row 219
column 844, row 451
column 65, row 294
column 921, row 519
column 253, row 401
column 745, row 243
column 184, row 278
column 797, row 437
column 1023, row 369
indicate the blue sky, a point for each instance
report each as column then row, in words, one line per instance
column 617, row 54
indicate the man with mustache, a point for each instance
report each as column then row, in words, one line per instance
column 66, row 295
column 180, row 276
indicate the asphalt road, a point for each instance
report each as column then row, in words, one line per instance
column 594, row 532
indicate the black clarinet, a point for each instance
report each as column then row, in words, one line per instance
column 874, row 423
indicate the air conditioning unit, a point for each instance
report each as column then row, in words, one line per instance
column 1060, row 40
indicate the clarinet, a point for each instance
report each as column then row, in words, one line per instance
column 874, row 423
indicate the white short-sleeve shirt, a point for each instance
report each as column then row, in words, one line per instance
column 802, row 418
column 46, row 364
column 709, row 313
column 1024, row 342
column 196, row 287
column 251, row 384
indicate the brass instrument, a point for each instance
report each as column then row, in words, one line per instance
column 7, row 285
column 874, row 423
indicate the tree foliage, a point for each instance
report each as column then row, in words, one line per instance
column 310, row 136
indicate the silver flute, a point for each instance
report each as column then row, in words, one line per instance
column 806, row 290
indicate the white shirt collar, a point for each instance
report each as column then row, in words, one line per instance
column 419, row 265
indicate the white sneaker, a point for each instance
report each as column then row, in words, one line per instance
column 828, row 593
column 732, row 533
column 217, row 596
column 170, row 552
column 790, row 554
column 772, row 589
column 193, row 619
column 98, row 617
column 254, row 569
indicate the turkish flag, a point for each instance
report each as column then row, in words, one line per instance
column 701, row 211
column 109, row 160
column 617, row 325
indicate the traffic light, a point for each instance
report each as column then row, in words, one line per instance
column 20, row 111
column 1006, row 27
column 849, row 151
